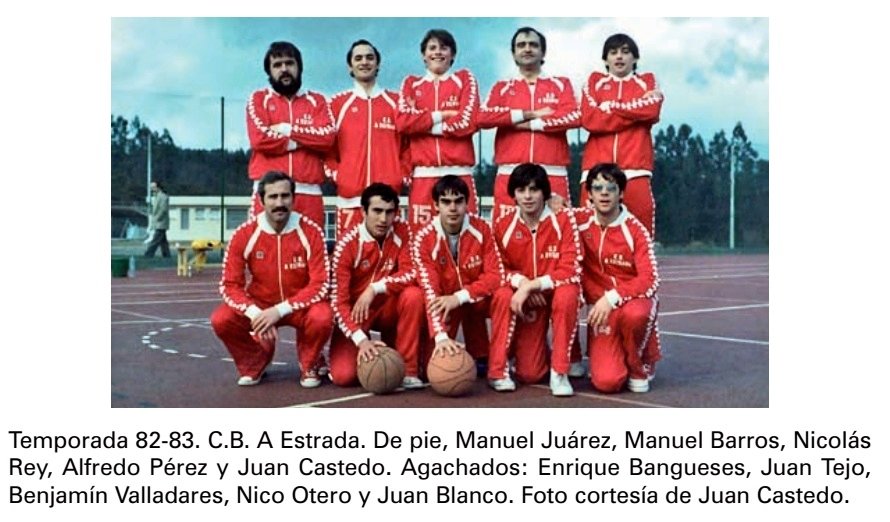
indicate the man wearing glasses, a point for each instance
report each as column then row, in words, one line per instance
column 619, row 280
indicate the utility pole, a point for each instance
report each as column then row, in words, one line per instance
column 733, row 149
column 148, row 171
column 222, row 176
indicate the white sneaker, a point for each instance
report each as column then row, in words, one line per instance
column 578, row 369
column 502, row 385
column 246, row 380
column 560, row 385
column 638, row 385
column 310, row 379
column 410, row 382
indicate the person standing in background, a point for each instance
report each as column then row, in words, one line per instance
column 159, row 221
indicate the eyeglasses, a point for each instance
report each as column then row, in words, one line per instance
column 612, row 188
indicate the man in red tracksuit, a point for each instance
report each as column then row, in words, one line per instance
column 532, row 113
column 619, row 279
column 373, row 287
column 284, row 254
column 458, row 269
column 368, row 147
column 619, row 109
column 289, row 132
column 540, row 252
column 437, row 112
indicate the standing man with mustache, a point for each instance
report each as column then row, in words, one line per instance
column 289, row 131
column 368, row 148
column 532, row 113
column 619, row 108
column 285, row 254
column 437, row 112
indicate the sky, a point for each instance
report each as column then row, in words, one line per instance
column 172, row 72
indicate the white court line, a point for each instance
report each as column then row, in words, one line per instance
column 708, row 310
column 163, row 292
column 149, row 321
column 662, row 295
column 715, row 338
column 695, row 268
column 730, row 276
column 609, row 398
column 139, row 303
column 174, row 285
column 330, row 401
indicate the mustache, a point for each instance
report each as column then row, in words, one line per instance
column 281, row 209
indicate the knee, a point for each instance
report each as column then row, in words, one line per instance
column 221, row 319
column 411, row 298
column 502, row 295
column 320, row 315
column 608, row 382
column 566, row 297
column 530, row 375
column 344, row 375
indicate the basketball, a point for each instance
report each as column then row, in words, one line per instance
column 452, row 375
column 383, row 373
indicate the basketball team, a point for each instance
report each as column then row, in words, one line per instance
column 531, row 272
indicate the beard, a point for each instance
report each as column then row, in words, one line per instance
column 286, row 89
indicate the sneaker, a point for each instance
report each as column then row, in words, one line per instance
column 502, row 385
column 310, row 379
column 246, row 380
column 410, row 382
column 560, row 385
column 578, row 369
column 638, row 385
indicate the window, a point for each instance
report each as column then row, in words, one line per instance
column 200, row 214
column 184, row 219
column 213, row 214
column 234, row 217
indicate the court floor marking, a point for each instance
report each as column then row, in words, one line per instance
column 692, row 268
column 330, row 401
column 709, row 310
column 609, row 398
column 714, row 338
column 721, row 276
column 175, row 301
column 662, row 295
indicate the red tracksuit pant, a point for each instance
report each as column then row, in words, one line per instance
column 399, row 319
column 526, row 338
column 628, row 346
column 313, row 326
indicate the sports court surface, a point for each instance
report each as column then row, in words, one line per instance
column 714, row 324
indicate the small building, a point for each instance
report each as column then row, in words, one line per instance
column 198, row 217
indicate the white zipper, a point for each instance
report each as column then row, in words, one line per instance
column 370, row 118
column 436, row 107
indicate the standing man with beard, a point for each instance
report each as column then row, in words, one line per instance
column 289, row 132
column 532, row 113
column 368, row 147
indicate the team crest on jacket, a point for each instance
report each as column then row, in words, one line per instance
column 260, row 254
column 474, row 261
column 519, row 234
column 418, row 93
column 385, row 123
column 618, row 260
column 548, row 98
column 441, row 260
column 305, row 119
column 451, row 101
column 366, row 264
column 296, row 264
column 552, row 252
column 354, row 109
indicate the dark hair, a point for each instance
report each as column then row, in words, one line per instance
column 444, row 38
column 450, row 183
column 608, row 171
column 619, row 40
column 356, row 44
column 522, row 30
column 159, row 185
column 273, row 176
column 528, row 174
column 381, row 190
column 278, row 49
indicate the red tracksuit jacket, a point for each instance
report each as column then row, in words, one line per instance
column 312, row 131
column 360, row 261
column 368, row 147
column 620, row 121
column 618, row 259
column 546, row 143
column 436, row 143
column 555, row 245
column 287, row 269
column 476, row 274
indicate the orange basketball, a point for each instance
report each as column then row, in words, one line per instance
column 452, row 375
column 383, row 373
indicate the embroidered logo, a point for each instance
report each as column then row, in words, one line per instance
column 451, row 101
column 441, row 260
column 296, row 264
column 474, row 261
column 305, row 119
column 366, row 264
column 385, row 123
column 618, row 260
column 548, row 98
column 551, row 252
column 260, row 254
column 606, row 87
column 354, row 109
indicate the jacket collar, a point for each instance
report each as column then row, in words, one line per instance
column 293, row 223
column 359, row 91
column 622, row 217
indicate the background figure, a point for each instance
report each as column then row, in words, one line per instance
column 159, row 221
